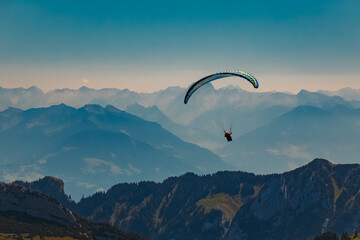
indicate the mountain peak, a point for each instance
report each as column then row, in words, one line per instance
column 303, row 92
column 319, row 163
column 54, row 179
column 35, row 89
column 208, row 87
column 84, row 89
column 59, row 106
column 48, row 184
column 11, row 110
column 93, row 108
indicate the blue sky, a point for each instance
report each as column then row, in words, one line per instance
column 149, row 45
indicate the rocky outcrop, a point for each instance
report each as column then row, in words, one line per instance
column 51, row 186
column 29, row 214
column 19, row 199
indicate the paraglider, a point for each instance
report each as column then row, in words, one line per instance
column 228, row 135
column 205, row 80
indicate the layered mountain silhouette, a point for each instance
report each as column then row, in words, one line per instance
column 300, row 204
column 249, row 110
column 347, row 93
column 33, row 97
column 291, row 139
column 272, row 131
column 92, row 148
column 187, row 133
column 26, row 214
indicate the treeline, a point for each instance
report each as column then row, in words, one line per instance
column 334, row 236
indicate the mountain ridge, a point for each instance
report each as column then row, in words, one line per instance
column 290, row 139
column 234, row 205
column 29, row 214
column 67, row 142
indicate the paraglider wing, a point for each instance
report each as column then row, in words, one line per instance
column 195, row 86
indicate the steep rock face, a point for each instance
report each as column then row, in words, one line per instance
column 293, row 205
column 51, row 186
column 19, row 199
column 298, row 204
column 183, row 207
column 302, row 203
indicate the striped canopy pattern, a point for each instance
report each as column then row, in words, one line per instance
column 195, row 86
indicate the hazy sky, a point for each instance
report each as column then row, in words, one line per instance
column 149, row 45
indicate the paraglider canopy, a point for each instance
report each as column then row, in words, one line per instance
column 195, row 86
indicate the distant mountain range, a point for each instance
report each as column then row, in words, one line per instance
column 272, row 131
column 92, row 148
column 187, row 133
column 33, row 97
column 348, row 93
column 283, row 137
column 170, row 100
column 295, row 205
column 203, row 114
column 294, row 137
column 26, row 214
